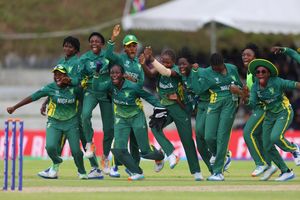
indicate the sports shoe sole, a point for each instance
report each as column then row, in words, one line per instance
column 115, row 176
column 96, row 178
column 289, row 178
column 47, row 177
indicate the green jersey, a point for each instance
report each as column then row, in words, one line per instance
column 169, row 85
column 293, row 54
column 126, row 100
column 196, row 86
column 63, row 104
column 189, row 96
column 87, row 70
column 272, row 95
column 218, row 84
column 132, row 67
column 72, row 66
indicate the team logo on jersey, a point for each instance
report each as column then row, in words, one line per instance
column 208, row 110
column 115, row 92
column 92, row 65
column 233, row 77
column 217, row 80
column 126, row 94
column 117, row 120
column 126, row 64
column 72, row 90
column 271, row 90
column 56, row 92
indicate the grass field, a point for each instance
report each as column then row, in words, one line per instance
column 168, row 184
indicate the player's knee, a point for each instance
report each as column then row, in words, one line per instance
column 210, row 139
column 51, row 149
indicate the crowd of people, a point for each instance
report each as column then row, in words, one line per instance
column 115, row 82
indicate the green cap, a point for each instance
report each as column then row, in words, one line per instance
column 264, row 63
column 60, row 68
column 128, row 39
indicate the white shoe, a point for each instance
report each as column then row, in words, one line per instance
column 159, row 165
column 227, row 161
column 136, row 177
column 296, row 155
column 82, row 176
column 95, row 173
column 90, row 150
column 259, row 170
column 216, row 177
column 173, row 160
column 268, row 173
column 114, row 172
column 212, row 160
column 105, row 165
column 198, row 176
column 50, row 173
column 286, row 176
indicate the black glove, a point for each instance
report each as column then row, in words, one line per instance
column 99, row 65
column 158, row 118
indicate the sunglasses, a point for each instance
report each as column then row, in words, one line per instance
column 261, row 71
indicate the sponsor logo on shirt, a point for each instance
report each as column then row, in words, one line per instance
column 165, row 86
column 65, row 101
column 224, row 87
column 120, row 102
column 133, row 75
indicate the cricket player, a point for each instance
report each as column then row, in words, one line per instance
column 62, row 120
column 129, row 116
column 269, row 89
column 91, row 98
column 221, row 109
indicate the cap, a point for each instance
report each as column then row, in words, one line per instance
column 265, row 63
column 60, row 68
column 128, row 39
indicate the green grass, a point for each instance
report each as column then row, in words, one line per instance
column 168, row 184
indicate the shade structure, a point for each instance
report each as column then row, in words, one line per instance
column 256, row 16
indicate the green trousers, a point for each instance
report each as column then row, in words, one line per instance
column 90, row 101
column 134, row 150
column 182, row 120
column 69, row 128
column 274, row 127
column 218, row 125
column 122, row 128
column 200, row 134
column 93, row 161
column 253, row 137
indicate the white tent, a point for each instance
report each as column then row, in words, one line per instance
column 257, row 16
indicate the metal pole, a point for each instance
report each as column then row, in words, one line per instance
column 13, row 156
column 127, row 8
column 21, row 135
column 5, row 184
